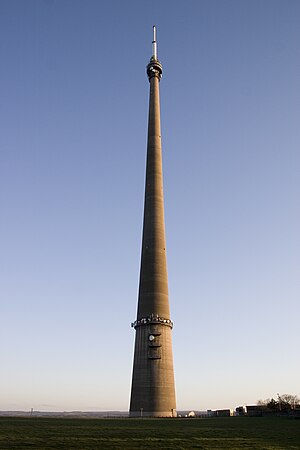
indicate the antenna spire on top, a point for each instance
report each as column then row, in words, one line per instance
column 154, row 67
column 154, row 45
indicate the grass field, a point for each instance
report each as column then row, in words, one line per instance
column 89, row 434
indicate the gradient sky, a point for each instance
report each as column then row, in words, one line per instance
column 73, row 114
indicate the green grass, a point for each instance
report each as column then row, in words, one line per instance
column 89, row 434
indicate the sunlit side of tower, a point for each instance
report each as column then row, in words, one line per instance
column 153, row 387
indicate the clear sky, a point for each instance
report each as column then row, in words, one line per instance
column 73, row 114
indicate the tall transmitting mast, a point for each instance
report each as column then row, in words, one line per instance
column 153, row 387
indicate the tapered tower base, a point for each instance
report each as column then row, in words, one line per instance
column 153, row 374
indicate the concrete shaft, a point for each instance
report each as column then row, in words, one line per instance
column 153, row 389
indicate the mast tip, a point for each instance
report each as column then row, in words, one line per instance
column 154, row 45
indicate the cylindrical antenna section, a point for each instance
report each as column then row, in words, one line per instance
column 154, row 45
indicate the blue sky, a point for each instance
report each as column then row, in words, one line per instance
column 73, row 112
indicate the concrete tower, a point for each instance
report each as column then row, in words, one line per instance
column 153, row 388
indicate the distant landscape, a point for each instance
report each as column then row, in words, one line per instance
column 78, row 414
